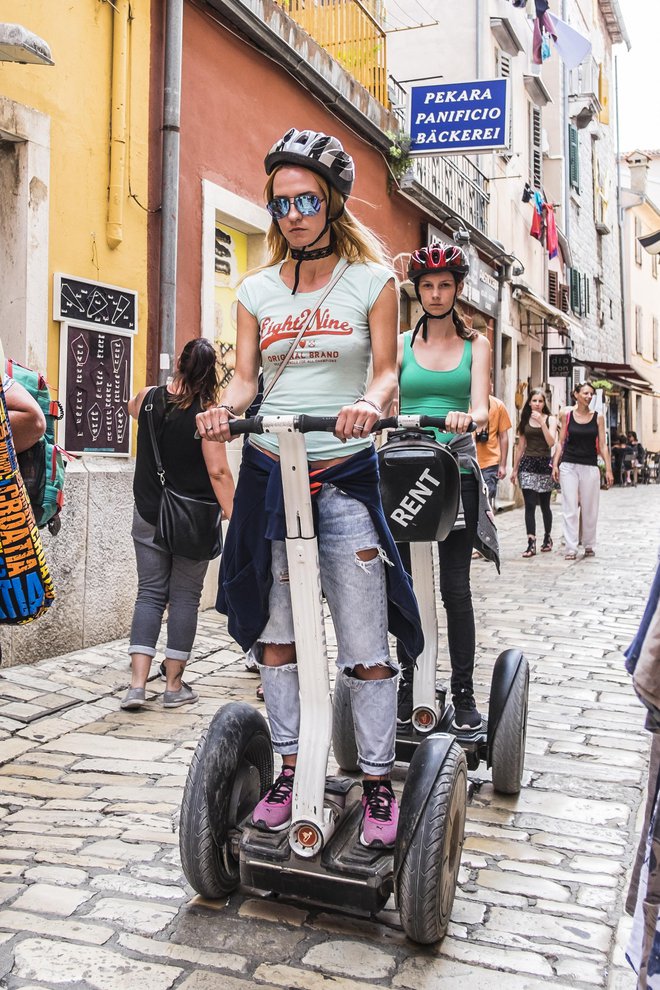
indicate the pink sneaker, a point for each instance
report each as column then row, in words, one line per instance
column 273, row 813
column 381, row 814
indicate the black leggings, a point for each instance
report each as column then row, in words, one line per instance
column 532, row 499
column 455, row 557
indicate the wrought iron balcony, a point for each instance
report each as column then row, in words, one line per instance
column 455, row 181
column 352, row 32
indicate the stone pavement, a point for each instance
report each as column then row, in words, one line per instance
column 91, row 890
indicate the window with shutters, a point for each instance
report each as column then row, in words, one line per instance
column 576, row 291
column 656, row 338
column 503, row 63
column 535, row 148
column 585, row 296
column 574, row 157
column 564, row 298
column 638, row 246
column 553, row 289
column 638, row 329
column 580, row 293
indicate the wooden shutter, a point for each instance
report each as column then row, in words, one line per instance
column 576, row 288
column 535, row 148
column 503, row 61
column 553, row 288
column 584, row 296
column 573, row 157
column 564, row 298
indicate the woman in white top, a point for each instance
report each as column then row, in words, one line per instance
column 312, row 240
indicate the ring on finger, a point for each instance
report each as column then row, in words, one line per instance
column 360, row 429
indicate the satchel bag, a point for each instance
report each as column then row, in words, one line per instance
column 187, row 527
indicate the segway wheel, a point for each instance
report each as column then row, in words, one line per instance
column 426, row 881
column 230, row 771
column 508, row 746
column 343, row 729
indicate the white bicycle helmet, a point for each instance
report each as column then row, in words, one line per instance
column 318, row 152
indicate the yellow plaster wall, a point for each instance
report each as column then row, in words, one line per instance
column 76, row 94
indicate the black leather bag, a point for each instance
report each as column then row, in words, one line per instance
column 187, row 527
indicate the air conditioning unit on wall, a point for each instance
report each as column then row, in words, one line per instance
column 579, row 374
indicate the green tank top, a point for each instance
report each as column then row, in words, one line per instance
column 434, row 393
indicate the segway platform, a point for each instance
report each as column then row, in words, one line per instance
column 345, row 872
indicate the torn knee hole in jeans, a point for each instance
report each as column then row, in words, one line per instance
column 367, row 555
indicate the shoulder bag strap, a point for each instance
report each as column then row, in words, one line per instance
column 304, row 329
column 148, row 408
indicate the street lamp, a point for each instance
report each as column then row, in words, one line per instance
column 17, row 44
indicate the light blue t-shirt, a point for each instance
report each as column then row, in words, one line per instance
column 330, row 365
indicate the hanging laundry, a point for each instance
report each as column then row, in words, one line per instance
column 519, row 3
column 542, row 26
column 551, row 238
column 572, row 46
column 527, row 193
column 530, row 9
column 536, row 230
column 541, row 7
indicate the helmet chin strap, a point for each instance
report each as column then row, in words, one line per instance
column 423, row 322
column 304, row 254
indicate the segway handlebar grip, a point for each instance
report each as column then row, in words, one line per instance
column 440, row 424
column 253, row 424
column 316, row 424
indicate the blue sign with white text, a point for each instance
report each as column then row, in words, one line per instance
column 459, row 117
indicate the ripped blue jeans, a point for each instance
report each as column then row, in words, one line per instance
column 356, row 593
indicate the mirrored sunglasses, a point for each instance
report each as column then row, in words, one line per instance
column 307, row 204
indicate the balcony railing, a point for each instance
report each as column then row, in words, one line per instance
column 352, row 32
column 456, row 181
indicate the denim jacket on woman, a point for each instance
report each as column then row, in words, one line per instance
column 258, row 517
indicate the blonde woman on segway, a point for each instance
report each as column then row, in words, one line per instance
column 326, row 275
column 444, row 370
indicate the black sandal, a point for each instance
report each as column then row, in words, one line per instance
column 546, row 546
column 531, row 547
column 260, row 693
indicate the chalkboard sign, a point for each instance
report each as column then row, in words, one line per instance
column 96, row 367
column 94, row 303
column 561, row 366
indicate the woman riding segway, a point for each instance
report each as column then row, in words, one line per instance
column 444, row 371
column 315, row 317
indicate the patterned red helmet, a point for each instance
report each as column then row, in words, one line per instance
column 438, row 258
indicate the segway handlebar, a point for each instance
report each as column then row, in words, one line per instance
column 327, row 424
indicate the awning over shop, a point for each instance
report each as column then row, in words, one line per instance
column 621, row 374
column 535, row 304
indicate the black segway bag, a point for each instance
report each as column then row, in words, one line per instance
column 420, row 486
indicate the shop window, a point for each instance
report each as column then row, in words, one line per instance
column 574, row 157
column 233, row 242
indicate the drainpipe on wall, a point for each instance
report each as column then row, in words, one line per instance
column 619, row 215
column 170, row 184
column 566, row 198
column 114, row 229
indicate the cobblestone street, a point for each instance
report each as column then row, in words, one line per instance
column 92, row 894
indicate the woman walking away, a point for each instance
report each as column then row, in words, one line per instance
column 444, row 371
column 326, row 277
column 194, row 470
column 575, row 466
column 532, row 468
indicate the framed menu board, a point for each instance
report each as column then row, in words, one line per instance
column 96, row 366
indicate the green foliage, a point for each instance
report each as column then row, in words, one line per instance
column 398, row 155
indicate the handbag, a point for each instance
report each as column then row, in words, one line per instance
column 186, row 527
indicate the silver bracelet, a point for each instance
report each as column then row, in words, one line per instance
column 374, row 405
